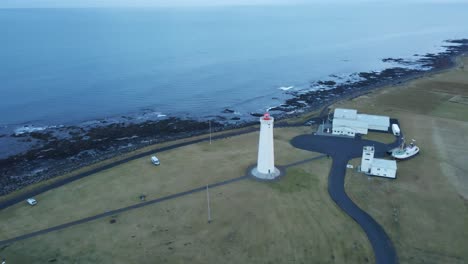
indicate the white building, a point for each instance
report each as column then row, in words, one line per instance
column 375, row 122
column 266, row 154
column 384, row 168
column 348, row 122
column 377, row 167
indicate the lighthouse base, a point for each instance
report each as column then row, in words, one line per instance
column 265, row 176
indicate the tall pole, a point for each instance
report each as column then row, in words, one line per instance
column 210, row 130
column 208, row 202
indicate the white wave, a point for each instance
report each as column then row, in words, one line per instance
column 286, row 88
column 161, row 115
column 29, row 129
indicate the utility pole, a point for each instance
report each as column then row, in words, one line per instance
column 208, row 202
column 210, row 130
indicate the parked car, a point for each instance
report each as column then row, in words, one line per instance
column 31, row 201
column 155, row 160
column 309, row 123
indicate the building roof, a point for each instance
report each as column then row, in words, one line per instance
column 345, row 113
column 355, row 124
column 385, row 164
column 374, row 120
column 368, row 148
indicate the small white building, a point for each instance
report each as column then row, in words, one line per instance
column 377, row 167
column 384, row 168
column 349, row 123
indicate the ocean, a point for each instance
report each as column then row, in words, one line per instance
column 68, row 66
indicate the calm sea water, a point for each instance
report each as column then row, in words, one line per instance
column 63, row 66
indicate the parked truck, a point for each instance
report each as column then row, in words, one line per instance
column 396, row 130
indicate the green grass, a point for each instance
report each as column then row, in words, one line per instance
column 451, row 110
column 425, row 210
column 291, row 220
column 380, row 137
column 296, row 180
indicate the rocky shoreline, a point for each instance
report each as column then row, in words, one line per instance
column 62, row 149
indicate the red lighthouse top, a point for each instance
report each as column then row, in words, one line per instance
column 266, row 116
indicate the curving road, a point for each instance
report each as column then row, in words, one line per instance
column 342, row 150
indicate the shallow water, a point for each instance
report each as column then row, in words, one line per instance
column 65, row 66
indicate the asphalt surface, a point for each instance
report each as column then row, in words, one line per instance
column 117, row 211
column 342, row 150
column 21, row 198
column 59, row 183
column 139, row 205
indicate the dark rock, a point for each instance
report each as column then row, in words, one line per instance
column 112, row 221
column 227, row 111
column 42, row 136
column 398, row 60
column 19, row 135
column 280, row 109
column 327, row 83
column 256, row 114
column 83, row 146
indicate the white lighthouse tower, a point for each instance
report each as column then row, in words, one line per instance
column 266, row 154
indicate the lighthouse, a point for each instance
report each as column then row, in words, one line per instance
column 265, row 168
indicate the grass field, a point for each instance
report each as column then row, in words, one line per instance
column 291, row 220
column 380, row 137
column 425, row 210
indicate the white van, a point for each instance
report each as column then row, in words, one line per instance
column 155, row 160
column 31, row 201
column 396, row 130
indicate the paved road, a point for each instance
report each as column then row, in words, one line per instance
column 139, row 205
column 342, row 150
column 59, row 183
column 117, row 211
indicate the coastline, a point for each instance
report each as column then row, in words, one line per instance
column 80, row 147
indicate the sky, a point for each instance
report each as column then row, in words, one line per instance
column 170, row 3
column 138, row 3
